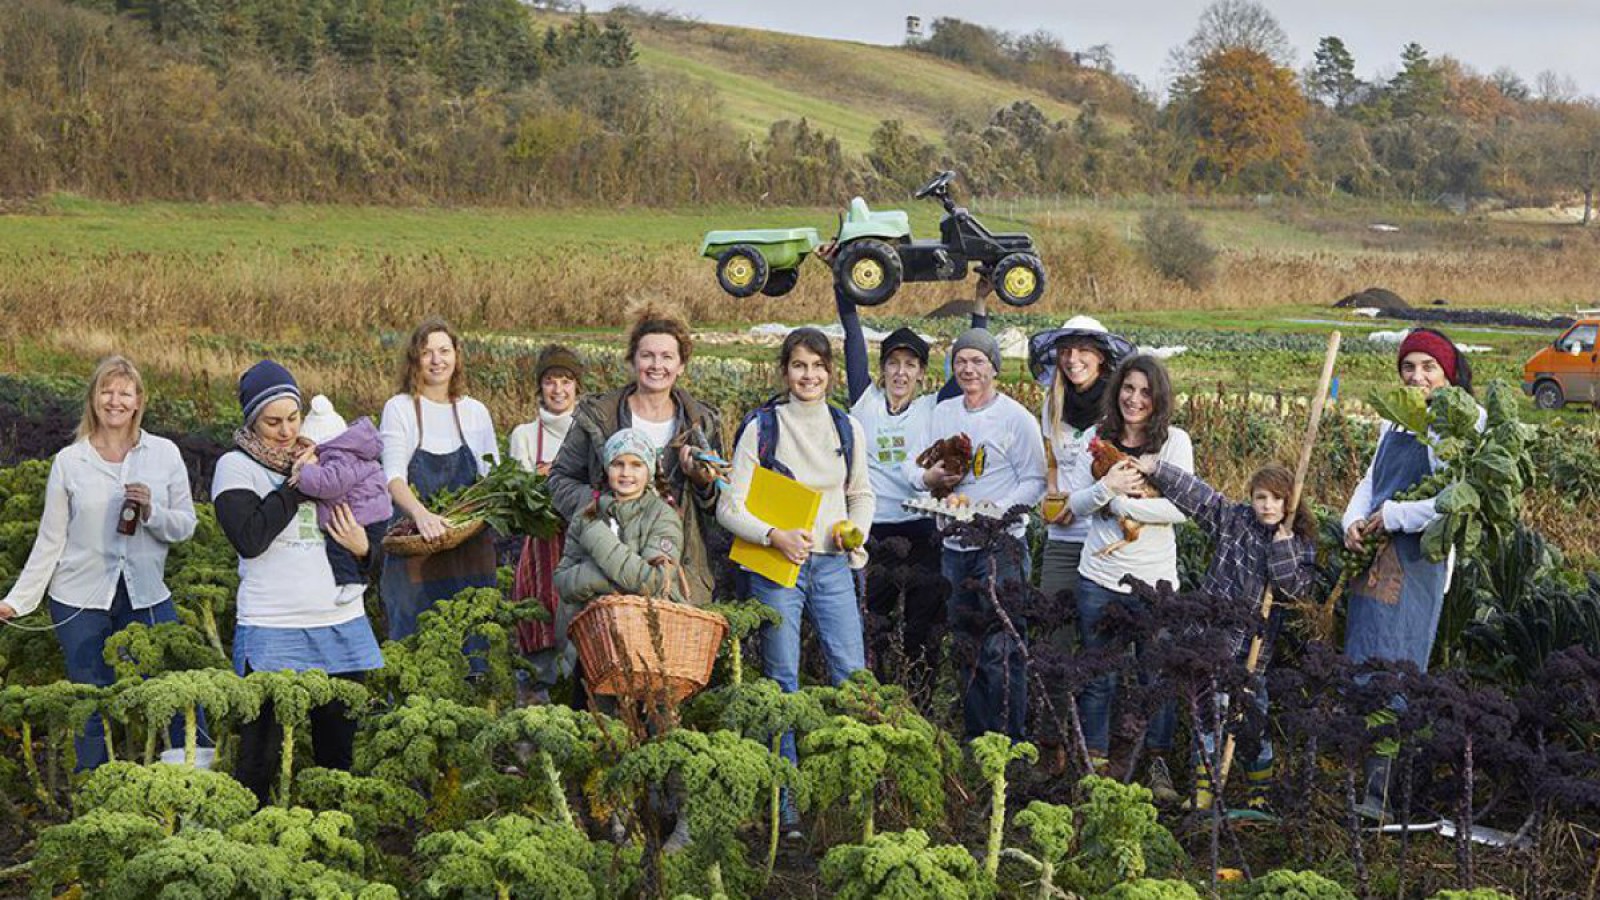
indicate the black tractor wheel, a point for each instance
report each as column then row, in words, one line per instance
column 742, row 270
column 1018, row 279
column 781, row 282
column 868, row 271
column 1547, row 395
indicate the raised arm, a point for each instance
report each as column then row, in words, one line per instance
column 980, row 319
column 857, row 369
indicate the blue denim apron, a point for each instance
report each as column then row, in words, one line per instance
column 1403, row 629
column 411, row 585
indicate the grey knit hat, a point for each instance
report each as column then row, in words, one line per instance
column 977, row 339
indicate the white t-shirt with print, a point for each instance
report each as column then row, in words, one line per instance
column 290, row 585
column 891, row 441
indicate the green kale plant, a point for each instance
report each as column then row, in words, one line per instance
column 426, row 743
column 903, row 866
column 513, row 856
column 170, row 796
column 719, row 777
column 762, row 711
column 89, row 851
column 848, row 759
column 293, row 695
column 744, row 619
column 1289, row 884
column 432, row 662
column 993, row 753
column 1050, row 830
column 372, row 803
column 220, row 692
column 560, row 740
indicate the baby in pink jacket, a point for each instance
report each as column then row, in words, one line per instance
column 348, row 470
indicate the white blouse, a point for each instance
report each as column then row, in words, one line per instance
column 78, row 555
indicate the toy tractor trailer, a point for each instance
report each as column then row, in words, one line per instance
column 875, row 254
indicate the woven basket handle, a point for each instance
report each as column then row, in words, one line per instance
column 669, row 568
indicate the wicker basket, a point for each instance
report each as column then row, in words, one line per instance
column 416, row 545
column 619, row 658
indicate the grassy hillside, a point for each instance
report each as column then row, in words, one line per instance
column 843, row 87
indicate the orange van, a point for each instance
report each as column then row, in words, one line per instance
column 1567, row 371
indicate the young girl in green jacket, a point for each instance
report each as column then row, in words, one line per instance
column 628, row 541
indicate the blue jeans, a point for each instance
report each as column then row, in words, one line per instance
column 1099, row 695
column 82, row 634
column 825, row 592
column 995, row 687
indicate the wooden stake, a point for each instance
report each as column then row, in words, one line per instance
column 1318, row 402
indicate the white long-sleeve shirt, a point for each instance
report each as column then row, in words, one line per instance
column 1007, row 453
column 1153, row 556
column 78, row 555
column 1068, row 444
column 889, row 440
column 809, row 445
column 1406, row 516
column 398, row 428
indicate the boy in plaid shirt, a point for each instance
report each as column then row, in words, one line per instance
column 1255, row 544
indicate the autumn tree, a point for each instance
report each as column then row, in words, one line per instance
column 1248, row 113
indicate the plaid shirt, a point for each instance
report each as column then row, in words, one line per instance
column 1244, row 554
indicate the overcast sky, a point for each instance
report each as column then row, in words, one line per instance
column 1530, row 36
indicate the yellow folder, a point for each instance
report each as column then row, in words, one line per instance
column 782, row 503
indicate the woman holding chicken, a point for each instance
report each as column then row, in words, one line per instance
column 1130, row 534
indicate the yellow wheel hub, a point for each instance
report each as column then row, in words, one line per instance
column 740, row 271
column 867, row 274
column 1020, row 282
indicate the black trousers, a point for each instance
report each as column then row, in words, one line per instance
column 333, row 737
column 906, row 595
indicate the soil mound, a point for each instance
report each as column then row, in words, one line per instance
column 1373, row 298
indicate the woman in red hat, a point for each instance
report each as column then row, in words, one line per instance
column 1393, row 611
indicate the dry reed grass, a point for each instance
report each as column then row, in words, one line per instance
column 276, row 295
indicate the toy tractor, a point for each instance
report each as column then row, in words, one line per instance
column 875, row 254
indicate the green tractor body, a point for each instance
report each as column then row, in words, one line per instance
column 875, row 254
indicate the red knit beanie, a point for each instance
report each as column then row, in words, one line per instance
column 1433, row 344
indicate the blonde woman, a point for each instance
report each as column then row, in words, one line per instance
column 117, row 499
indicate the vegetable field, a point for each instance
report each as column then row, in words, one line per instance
column 456, row 792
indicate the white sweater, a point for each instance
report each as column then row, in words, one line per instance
column 809, row 445
column 1007, row 453
column 1151, row 558
column 398, row 429
column 526, row 446
column 78, row 554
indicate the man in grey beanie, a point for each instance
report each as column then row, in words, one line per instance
column 1007, row 470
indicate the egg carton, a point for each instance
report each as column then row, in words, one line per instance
column 943, row 508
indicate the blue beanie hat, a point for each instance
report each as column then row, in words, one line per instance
column 632, row 442
column 261, row 384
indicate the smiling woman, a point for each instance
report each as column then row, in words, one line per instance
column 117, row 499
column 435, row 438
column 659, row 347
column 801, row 437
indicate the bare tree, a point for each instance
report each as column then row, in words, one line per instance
column 1555, row 87
column 1231, row 25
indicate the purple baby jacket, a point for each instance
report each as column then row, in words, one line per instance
column 348, row 470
